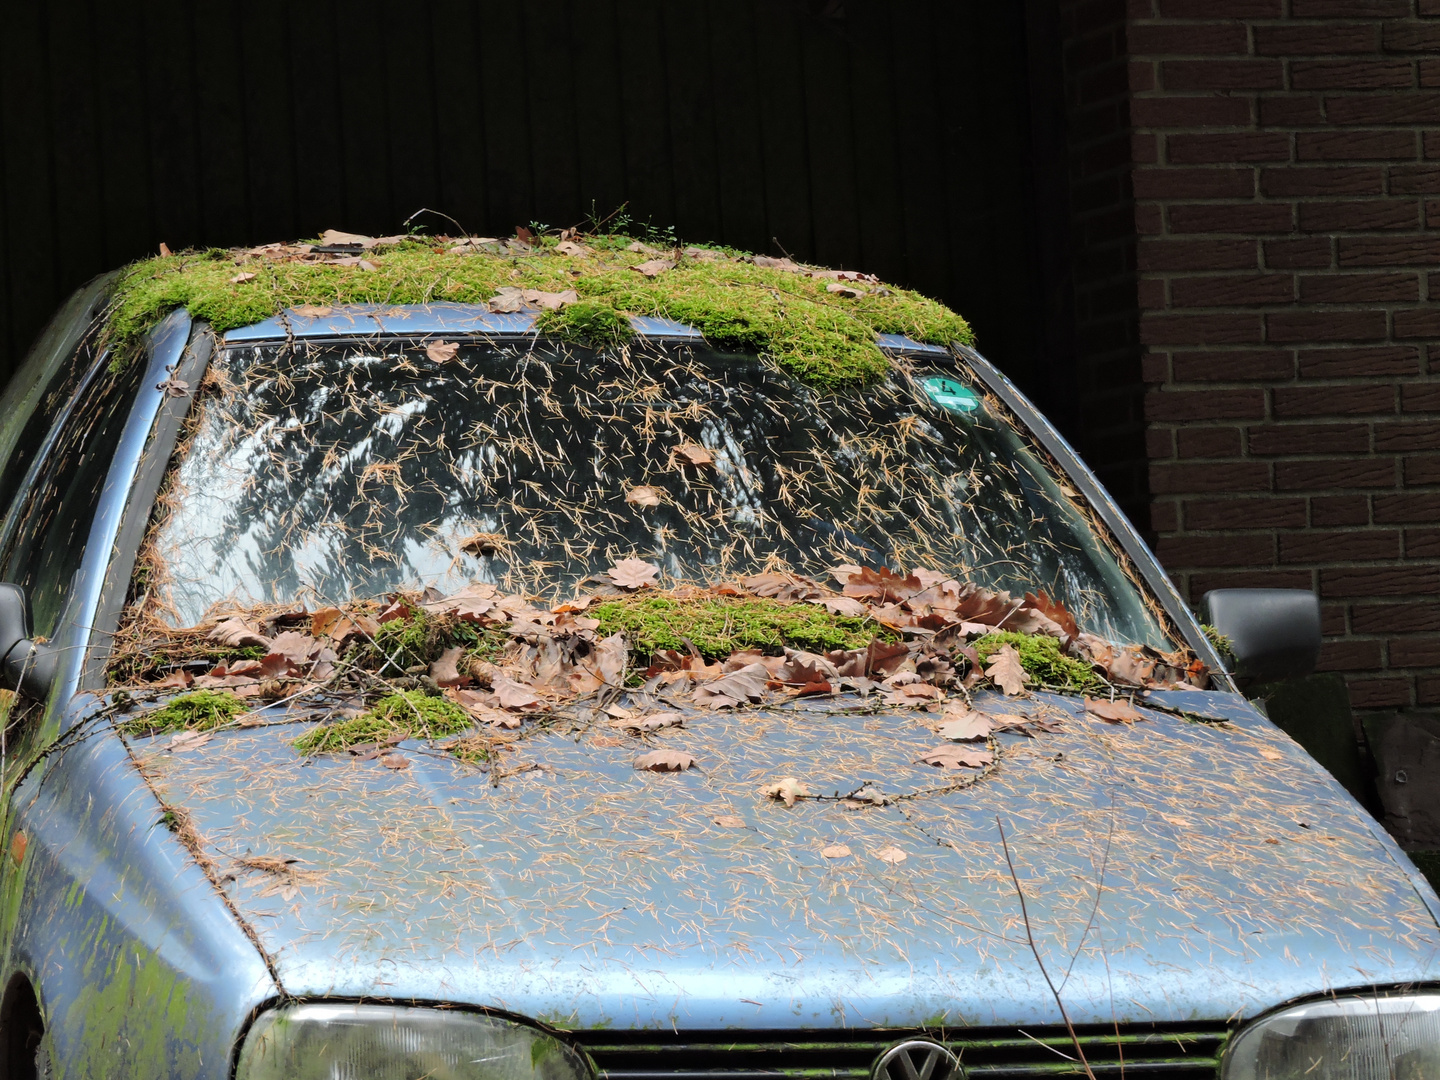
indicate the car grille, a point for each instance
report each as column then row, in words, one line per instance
column 1137, row 1052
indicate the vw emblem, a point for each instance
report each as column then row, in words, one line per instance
column 917, row 1059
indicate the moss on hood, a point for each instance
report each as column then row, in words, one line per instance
column 818, row 325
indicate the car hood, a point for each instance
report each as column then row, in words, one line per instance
column 1232, row 873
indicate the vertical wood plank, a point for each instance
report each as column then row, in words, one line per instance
column 554, row 61
column 317, row 69
column 29, row 210
column 459, row 126
column 510, row 187
column 360, row 31
column 646, row 114
column 124, row 135
column 224, row 193
column 685, row 53
column 878, row 156
column 828, row 103
column 738, row 89
column 269, row 130
column 71, row 65
column 784, row 138
column 600, row 131
column 409, row 128
column 921, row 119
column 172, row 123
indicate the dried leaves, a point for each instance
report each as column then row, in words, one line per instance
column 633, row 573
column 510, row 298
column 654, row 267
column 787, row 790
column 645, row 495
column 234, row 633
column 957, row 757
column 442, row 351
column 1004, row 671
column 963, row 724
column 665, row 761
column 738, row 688
column 539, row 660
column 691, row 454
column 1119, row 711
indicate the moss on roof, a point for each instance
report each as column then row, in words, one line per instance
column 791, row 313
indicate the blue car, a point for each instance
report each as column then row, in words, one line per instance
column 929, row 830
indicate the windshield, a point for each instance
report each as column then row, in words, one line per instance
column 318, row 472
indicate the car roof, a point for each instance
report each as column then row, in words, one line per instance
column 423, row 320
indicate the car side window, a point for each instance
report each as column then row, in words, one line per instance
column 40, row 390
column 53, row 527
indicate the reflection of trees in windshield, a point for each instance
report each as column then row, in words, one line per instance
column 351, row 470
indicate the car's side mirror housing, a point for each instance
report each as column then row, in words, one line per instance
column 25, row 666
column 1274, row 633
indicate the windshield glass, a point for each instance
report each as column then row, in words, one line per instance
column 317, row 472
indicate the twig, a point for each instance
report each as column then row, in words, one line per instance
column 426, row 210
column 1030, row 940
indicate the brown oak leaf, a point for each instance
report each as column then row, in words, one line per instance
column 1004, row 670
column 964, row 724
column 234, row 633
column 654, row 267
column 892, row 855
column 787, row 789
column 664, row 761
column 694, row 454
column 633, row 573
column 1119, row 711
column 1056, row 611
column 835, row 851
column 956, row 757
column 645, row 495
column 514, row 695
column 442, row 351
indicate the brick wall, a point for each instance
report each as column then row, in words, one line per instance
column 1285, row 173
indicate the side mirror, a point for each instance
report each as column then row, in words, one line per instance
column 26, row 666
column 1274, row 633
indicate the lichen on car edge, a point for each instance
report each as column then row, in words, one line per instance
column 410, row 714
column 778, row 308
column 201, row 710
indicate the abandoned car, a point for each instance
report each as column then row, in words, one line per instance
column 560, row 658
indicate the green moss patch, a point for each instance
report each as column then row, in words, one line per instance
column 419, row 640
column 1043, row 661
column 200, row 710
column 1223, row 645
column 411, row 715
column 721, row 625
column 822, row 337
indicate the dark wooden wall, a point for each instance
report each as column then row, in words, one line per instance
column 894, row 137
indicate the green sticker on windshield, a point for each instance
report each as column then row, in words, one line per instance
column 949, row 394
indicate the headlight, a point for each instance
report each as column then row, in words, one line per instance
column 1354, row 1038
column 385, row 1042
